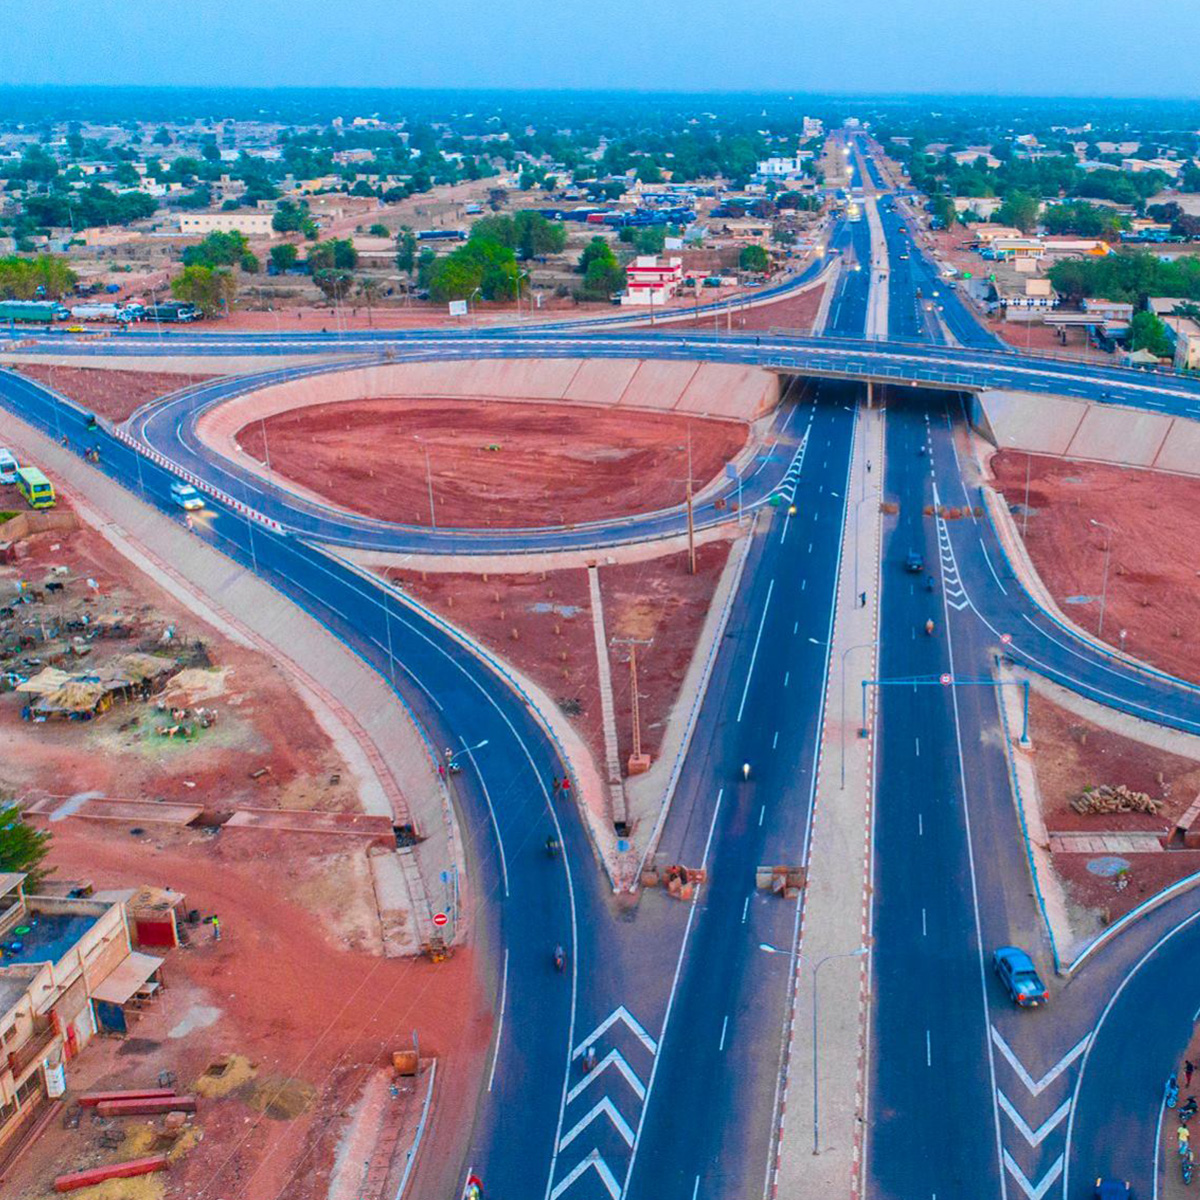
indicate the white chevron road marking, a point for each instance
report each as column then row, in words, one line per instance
column 606, row 1176
column 612, row 1059
column 1034, row 1137
column 1034, row 1191
column 1037, row 1087
column 620, row 1013
column 606, row 1107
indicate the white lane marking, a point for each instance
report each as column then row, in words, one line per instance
column 1034, row 1137
column 810, row 546
column 754, row 653
column 615, row 1059
column 606, row 1176
column 787, row 675
column 920, row 825
column 696, row 1189
column 487, row 795
column 1038, row 1190
column 775, row 740
column 803, row 584
column 622, row 1014
column 762, row 812
column 988, row 559
column 499, row 1021
column 795, row 627
column 928, row 1049
column 1038, row 1086
column 724, row 1029
column 924, row 926
column 745, row 910
column 918, row 741
column 606, row 1108
column 783, row 535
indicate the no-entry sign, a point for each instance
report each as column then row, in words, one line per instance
column 946, row 681
column 440, row 919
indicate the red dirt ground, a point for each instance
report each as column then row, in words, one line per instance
column 552, row 616
column 1073, row 753
column 1152, row 592
column 795, row 313
column 557, row 464
column 262, row 721
column 1042, row 339
column 112, row 394
column 290, row 999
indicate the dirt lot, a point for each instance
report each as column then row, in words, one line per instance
column 795, row 313
column 1152, row 591
column 551, row 615
column 493, row 463
column 1043, row 339
column 1073, row 754
column 307, row 1019
column 112, row 394
column 261, row 720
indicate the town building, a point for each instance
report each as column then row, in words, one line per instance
column 1108, row 310
column 652, row 281
column 1184, row 333
column 247, row 221
column 67, row 971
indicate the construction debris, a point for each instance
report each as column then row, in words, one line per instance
column 122, row 1170
column 1119, row 799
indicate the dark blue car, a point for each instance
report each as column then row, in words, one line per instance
column 1020, row 977
column 1111, row 1189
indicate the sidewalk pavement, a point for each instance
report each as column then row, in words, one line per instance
column 877, row 302
column 352, row 703
column 836, row 916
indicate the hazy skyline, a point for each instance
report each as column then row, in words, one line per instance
column 1025, row 47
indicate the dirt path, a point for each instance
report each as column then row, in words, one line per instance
column 492, row 463
column 1155, row 550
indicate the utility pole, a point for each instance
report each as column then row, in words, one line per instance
column 689, row 501
column 638, row 762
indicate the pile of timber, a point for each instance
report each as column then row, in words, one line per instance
column 1119, row 799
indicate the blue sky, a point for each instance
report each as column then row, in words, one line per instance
column 1027, row 47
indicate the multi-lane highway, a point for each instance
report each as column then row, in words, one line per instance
column 683, row 1010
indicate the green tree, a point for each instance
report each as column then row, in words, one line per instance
column 283, row 257
column 163, row 137
column 378, row 230
column 754, row 258
column 210, row 289
column 943, row 210
column 209, row 149
column 337, row 254
column 597, row 250
column 534, row 236
column 1020, row 209
column 334, row 284
column 406, row 249
column 370, row 291
column 218, row 250
column 501, row 230
column 1149, row 332
column 22, row 847
column 20, row 278
column 480, row 264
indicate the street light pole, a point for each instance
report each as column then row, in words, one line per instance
column 816, row 1082
column 859, row 646
column 1109, row 531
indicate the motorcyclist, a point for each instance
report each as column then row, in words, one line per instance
column 929, row 626
column 560, row 958
column 745, row 771
column 551, row 845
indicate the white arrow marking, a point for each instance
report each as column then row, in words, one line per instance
column 608, row 1109
column 1030, row 1190
column 957, row 607
column 612, row 1059
column 1034, row 1137
column 618, row 1014
column 1038, row 1087
column 606, row 1176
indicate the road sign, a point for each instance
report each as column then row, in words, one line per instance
column 458, row 308
column 946, row 681
column 440, row 919
column 1006, row 638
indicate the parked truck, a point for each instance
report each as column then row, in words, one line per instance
column 105, row 312
column 37, row 312
column 172, row 313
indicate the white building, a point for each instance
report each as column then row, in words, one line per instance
column 245, row 221
column 651, row 281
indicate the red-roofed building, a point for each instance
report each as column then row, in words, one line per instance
column 651, row 281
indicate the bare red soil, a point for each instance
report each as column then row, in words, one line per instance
column 794, row 312
column 493, row 463
column 315, row 1018
column 656, row 602
column 262, row 721
column 112, row 394
column 1155, row 558
column 1073, row 754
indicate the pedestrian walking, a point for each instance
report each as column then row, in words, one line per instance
column 868, row 466
column 862, row 600
column 216, row 927
column 1188, row 1068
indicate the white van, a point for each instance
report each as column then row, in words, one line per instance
column 8, row 466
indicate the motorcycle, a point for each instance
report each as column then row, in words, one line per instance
column 1171, row 1091
column 929, row 627
column 560, row 958
column 552, row 846
column 1188, row 1111
column 746, row 772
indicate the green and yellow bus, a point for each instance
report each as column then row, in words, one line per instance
column 35, row 487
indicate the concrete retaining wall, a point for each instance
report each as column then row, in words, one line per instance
column 1107, row 433
column 711, row 389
